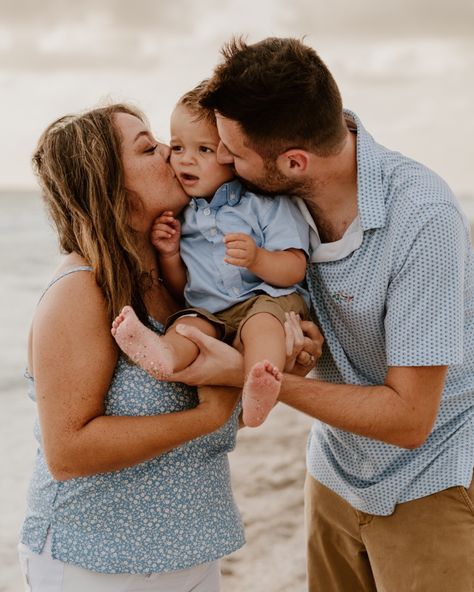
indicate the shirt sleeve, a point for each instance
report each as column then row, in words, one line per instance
column 424, row 319
column 284, row 226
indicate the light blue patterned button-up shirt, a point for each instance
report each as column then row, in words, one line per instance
column 275, row 223
column 404, row 297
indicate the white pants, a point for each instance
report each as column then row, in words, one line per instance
column 42, row 573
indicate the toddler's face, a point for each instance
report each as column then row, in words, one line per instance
column 193, row 154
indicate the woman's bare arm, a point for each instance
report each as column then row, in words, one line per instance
column 73, row 357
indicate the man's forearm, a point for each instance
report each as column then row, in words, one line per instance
column 377, row 412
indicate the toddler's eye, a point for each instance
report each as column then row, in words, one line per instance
column 176, row 148
column 205, row 149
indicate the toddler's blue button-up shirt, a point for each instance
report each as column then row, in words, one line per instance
column 275, row 223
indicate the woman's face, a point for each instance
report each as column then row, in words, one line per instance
column 148, row 177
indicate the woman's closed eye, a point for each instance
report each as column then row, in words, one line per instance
column 151, row 149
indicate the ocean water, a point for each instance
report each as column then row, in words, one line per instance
column 28, row 255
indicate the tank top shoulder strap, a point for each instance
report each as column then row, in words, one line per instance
column 64, row 274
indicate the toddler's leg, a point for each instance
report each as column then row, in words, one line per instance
column 160, row 356
column 263, row 339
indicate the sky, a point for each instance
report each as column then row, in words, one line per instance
column 406, row 67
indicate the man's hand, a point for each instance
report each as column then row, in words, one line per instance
column 304, row 345
column 165, row 234
column 241, row 249
column 221, row 364
column 217, row 362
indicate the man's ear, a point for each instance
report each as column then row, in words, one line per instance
column 293, row 162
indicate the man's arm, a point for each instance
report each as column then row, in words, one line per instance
column 400, row 412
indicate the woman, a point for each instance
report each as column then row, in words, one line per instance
column 131, row 487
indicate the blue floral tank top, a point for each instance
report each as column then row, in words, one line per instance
column 172, row 512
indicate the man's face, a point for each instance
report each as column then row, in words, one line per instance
column 258, row 173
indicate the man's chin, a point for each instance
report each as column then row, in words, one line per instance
column 258, row 188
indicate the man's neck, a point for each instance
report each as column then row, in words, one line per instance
column 332, row 196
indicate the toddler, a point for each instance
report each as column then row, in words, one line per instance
column 238, row 258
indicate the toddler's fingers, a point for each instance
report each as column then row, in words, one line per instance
column 236, row 236
column 234, row 261
column 236, row 253
column 236, row 245
column 164, row 228
column 161, row 234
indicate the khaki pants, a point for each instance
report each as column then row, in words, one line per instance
column 426, row 545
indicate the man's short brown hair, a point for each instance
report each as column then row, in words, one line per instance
column 281, row 93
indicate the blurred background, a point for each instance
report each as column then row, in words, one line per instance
column 406, row 68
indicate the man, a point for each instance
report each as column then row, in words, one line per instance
column 389, row 493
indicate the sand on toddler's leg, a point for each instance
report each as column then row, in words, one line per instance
column 141, row 345
column 260, row 392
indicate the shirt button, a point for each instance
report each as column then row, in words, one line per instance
column 232, row 195
column 213, row 232
column 206, row 211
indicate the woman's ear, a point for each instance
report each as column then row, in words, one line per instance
column 293, row 162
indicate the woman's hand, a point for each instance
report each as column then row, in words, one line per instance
column 217, row 362
column 304, row 345
column 218, row 403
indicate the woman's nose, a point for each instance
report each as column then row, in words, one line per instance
column 164, row 150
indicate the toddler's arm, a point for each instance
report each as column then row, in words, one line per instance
column 165, row 235
column 279, row 268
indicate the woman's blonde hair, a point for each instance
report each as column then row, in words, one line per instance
column 79, row 167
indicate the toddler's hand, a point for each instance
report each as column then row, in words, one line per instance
column 165, row 234
column 241, row 249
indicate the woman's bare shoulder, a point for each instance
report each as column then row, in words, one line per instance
column 73, row 308
column 73, row 290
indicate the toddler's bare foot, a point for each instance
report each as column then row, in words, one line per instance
column 260, row 392
column 141, row 345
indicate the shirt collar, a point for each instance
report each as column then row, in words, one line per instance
column 370, row 198
column 324, row 252
column 370, row 194
column 229, row 193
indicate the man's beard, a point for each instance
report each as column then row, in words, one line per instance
column 273, row 182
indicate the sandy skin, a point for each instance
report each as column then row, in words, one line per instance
column 260, row 393
column 142, row 345
column 160, row 359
